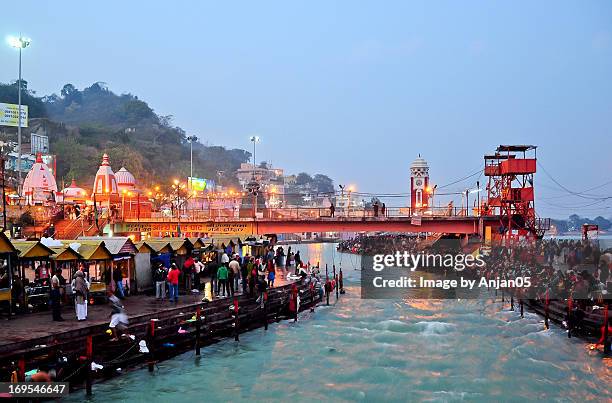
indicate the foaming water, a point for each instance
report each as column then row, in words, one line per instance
column 373, row 350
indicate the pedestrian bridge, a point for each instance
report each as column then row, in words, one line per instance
column 299, row 220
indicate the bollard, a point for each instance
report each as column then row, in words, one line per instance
column 197, row 340
column 512, row 302
column 265, row 297
column 89, row 355
column 341, row 281
column 312, row 297
column 503, row 297
column 21, row 370
column 570, row 308
column 236, row 332
column 152, row 344
column 546, row 311
column 335, row 280
column 337, row 288
column 606, row 341
column 326, row 285
column 522, row 316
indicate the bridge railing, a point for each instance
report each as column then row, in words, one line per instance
column 295, row 213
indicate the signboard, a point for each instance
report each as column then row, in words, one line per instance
column 416, row 220
column 209, row 229
column 201, row 184
column 39, row 143
column 198, row 184
column 9, row 115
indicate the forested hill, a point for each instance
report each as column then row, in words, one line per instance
column 82, row 124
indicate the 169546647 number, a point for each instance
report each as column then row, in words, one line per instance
column 33, row 389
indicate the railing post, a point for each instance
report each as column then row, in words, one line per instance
column 197, row 340
column 546, row 311
column 570, row 307
column 88, row 361
column 152, row 344
column 236, row 322
column 606, row 341
column 327, row 288
column 265, row 297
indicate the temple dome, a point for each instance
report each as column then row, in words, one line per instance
column 125, row 180
column 105, row 182
column 74, row 192
column 39, row 184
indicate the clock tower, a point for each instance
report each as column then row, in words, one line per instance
column 419, row 182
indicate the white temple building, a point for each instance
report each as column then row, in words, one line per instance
column 39, row 186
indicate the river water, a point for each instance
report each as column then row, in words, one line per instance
column 372, row 350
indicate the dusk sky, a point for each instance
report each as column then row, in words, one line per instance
column 355, row 90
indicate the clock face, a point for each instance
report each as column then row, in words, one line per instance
column 418, row 182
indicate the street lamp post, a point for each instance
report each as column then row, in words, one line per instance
column 432, row 193
column 191, row 140
column 254, row 187
column 254, row 140
column 19, row 43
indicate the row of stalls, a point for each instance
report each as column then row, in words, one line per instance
column 26, row 267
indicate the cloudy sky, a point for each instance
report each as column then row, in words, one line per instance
column 353, row 89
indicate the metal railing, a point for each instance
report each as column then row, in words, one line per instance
column 296, row 213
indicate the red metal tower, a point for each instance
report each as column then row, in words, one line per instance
column 511, row 191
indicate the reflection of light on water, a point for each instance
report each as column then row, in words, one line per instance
column 315, row 253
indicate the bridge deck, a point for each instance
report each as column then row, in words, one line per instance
column 281, row 225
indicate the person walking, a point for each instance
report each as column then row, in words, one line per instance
column 160, row 276
column 56, row 307
column 234, row 267
column 118, row 278
column 298, row 261
column 222, row 275
column 230, row 280
column 252, row 277
column 213, row 268
column 188, row 274
column 271, row 274
column 119, row 318
column 173, row 282
column 244, row 274
column 81, row 291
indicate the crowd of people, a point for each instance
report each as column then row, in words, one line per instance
column 558, row 269
column 232, row 274
column 379, row 244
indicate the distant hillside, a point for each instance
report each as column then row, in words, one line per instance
column 83, row 124
column 574, row 223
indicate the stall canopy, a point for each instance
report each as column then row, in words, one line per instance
column 90, row 250
column 5, row 244
column 65, row 253
column 144, row 247
column 118, row 245
column 32, row 250
column 157, row 246
column 197, row 243
column 180, row 246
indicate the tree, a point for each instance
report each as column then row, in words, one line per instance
column 68, row 90
column 303, row 179
column 323, row 183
